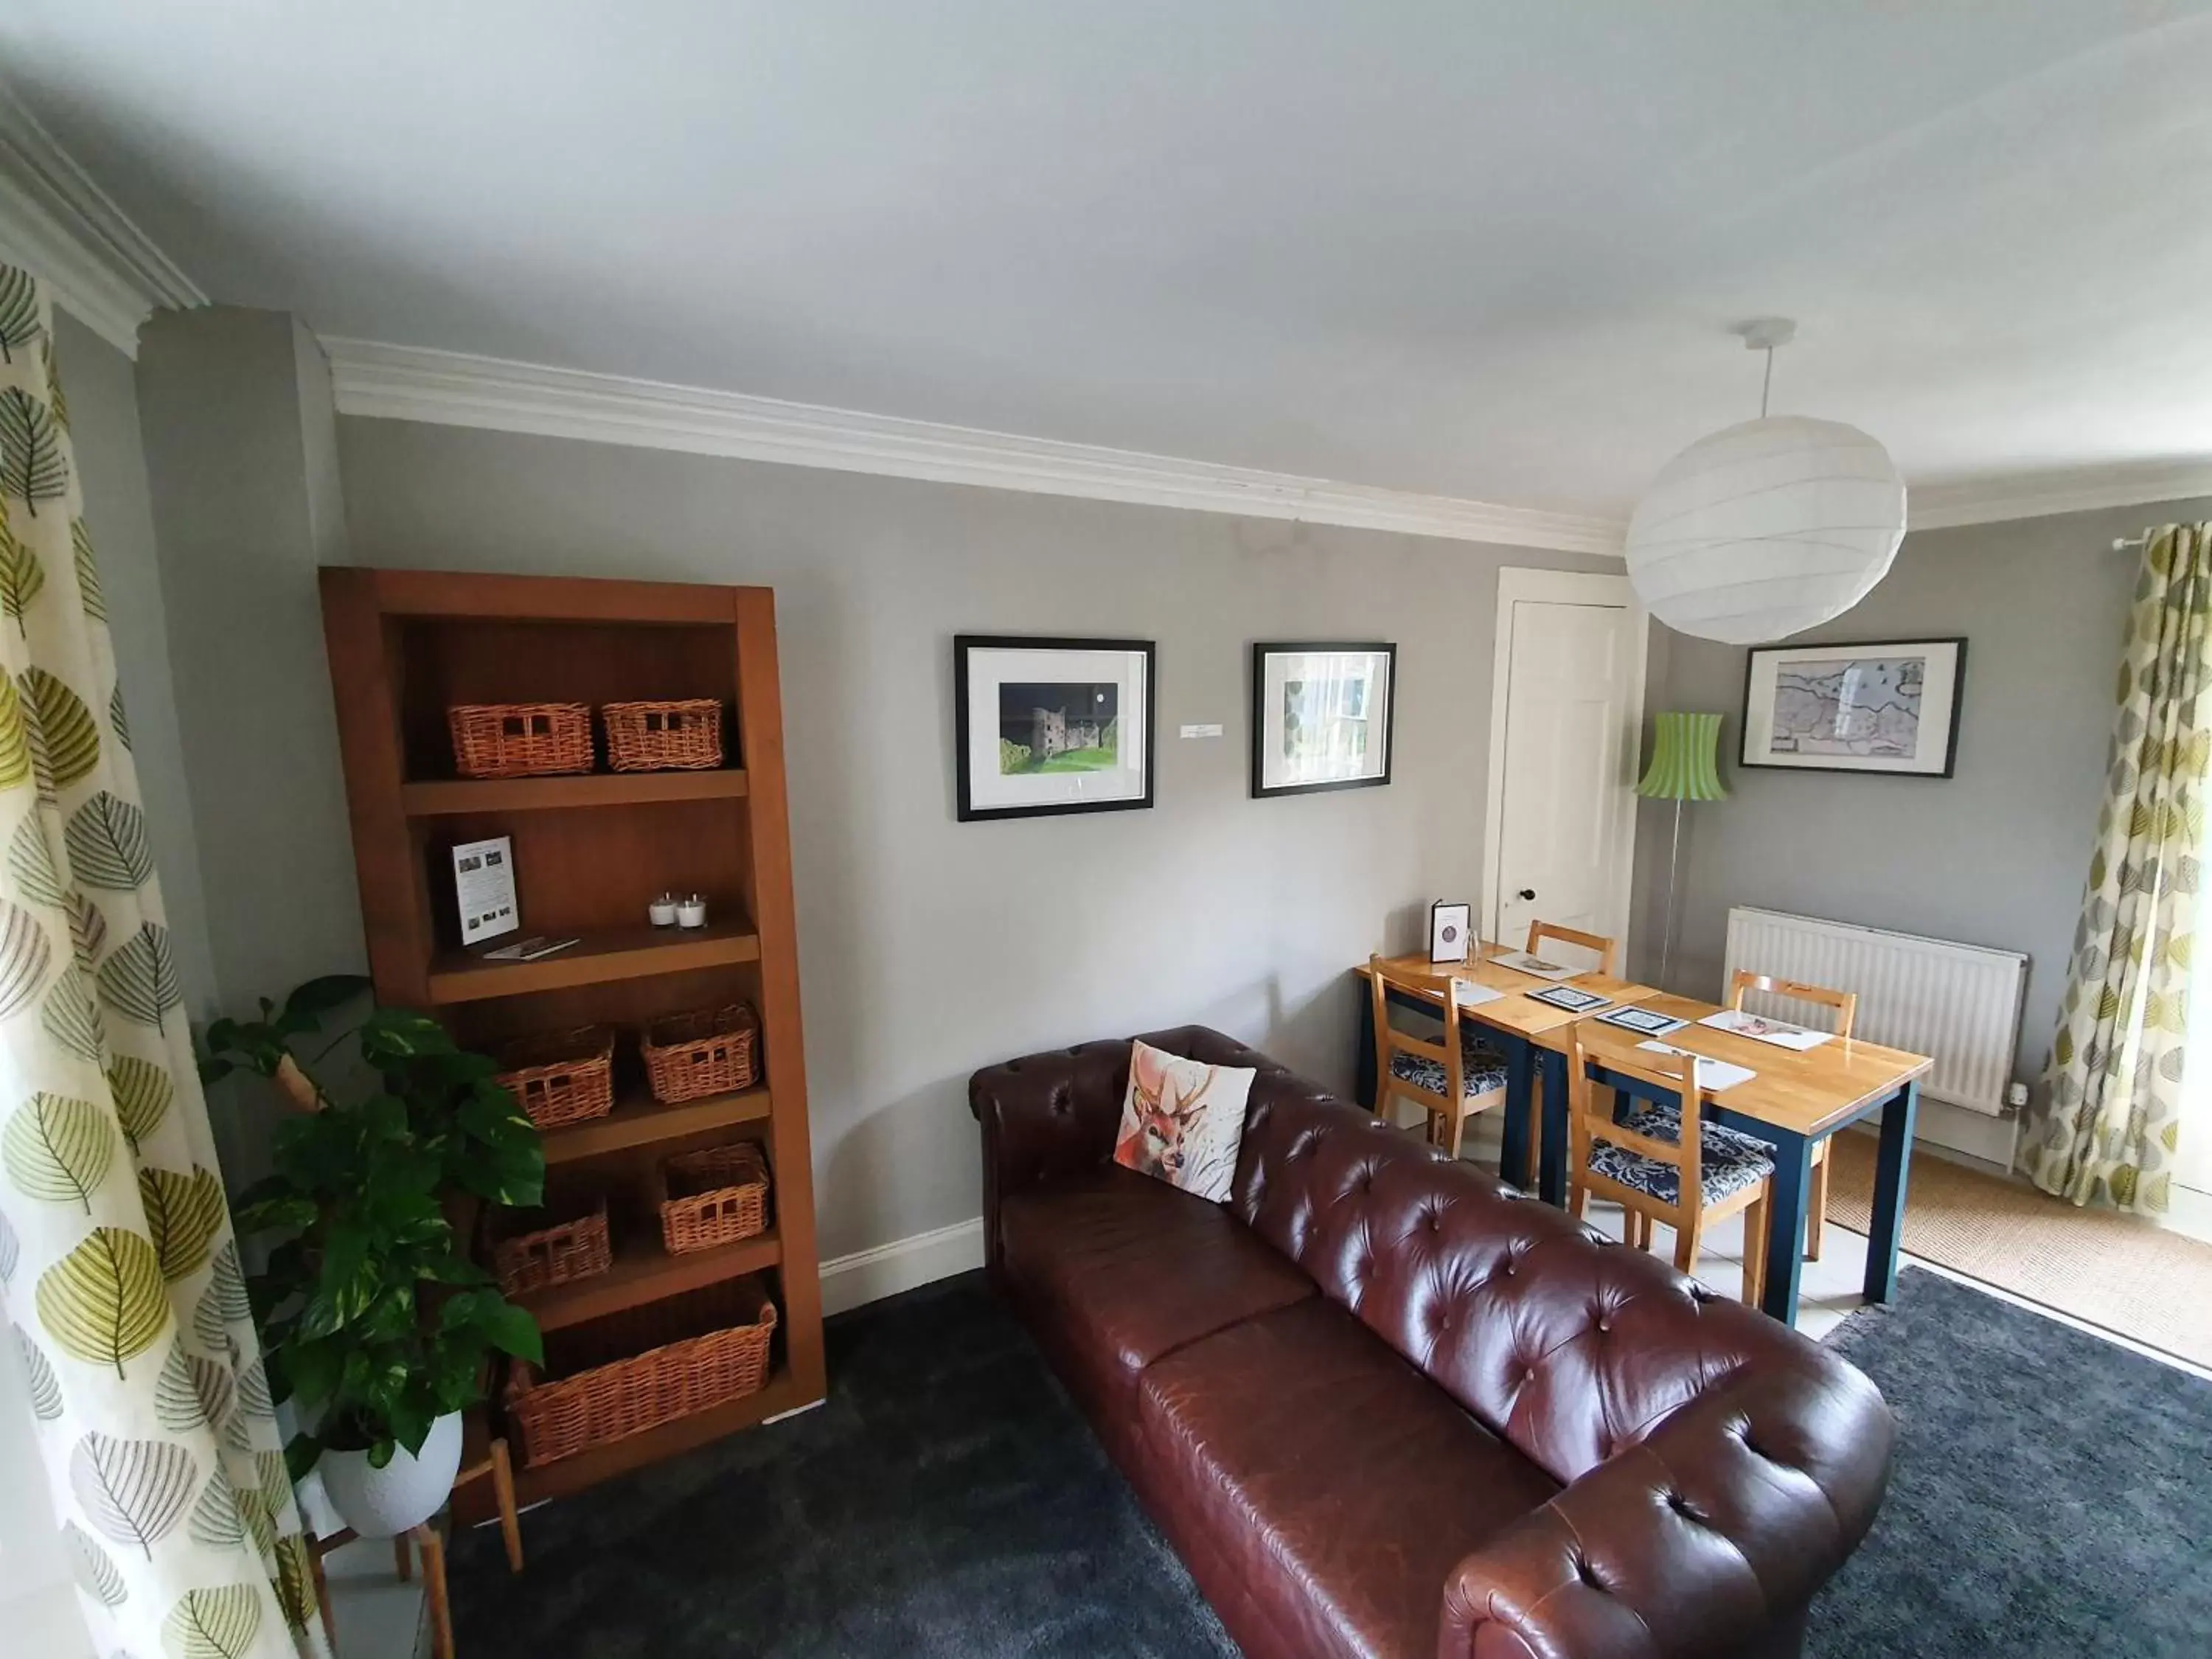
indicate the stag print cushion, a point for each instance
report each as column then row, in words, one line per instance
column 1182, row 1122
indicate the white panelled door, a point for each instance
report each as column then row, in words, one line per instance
column 1565, row 720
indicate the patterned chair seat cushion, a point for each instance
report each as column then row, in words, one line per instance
column 1729, row 1161
column 1482, row 1068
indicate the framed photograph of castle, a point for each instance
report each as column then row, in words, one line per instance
column 1322, row 717
column 1047, row 725
column 1872, row 706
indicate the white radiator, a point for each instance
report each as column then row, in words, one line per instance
column 1957, row 1003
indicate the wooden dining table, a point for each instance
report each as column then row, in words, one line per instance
column 1529, row 1034
column 1793, row 1101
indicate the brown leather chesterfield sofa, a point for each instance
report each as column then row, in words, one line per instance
column 1382, row 1405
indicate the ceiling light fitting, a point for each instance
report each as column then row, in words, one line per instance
column 1768, row 528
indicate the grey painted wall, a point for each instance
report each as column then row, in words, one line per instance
column 236, row 413
column 929, row 948
column 40, row 1614
column 1996, row 855
column 103, row 400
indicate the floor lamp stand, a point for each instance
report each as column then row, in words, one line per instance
column 1674, row 874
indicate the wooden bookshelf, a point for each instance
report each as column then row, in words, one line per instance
column 443, row 797
column 644, row 1271
column 590, row 850
column 596, row 959
column 784, row 1393
column 641, row 1121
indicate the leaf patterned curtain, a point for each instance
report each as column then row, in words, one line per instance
column 121, row 1276
column 2109, row 1125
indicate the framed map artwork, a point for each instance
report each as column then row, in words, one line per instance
column 1872, row 705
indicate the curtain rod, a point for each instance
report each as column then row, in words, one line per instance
column 2122, row 543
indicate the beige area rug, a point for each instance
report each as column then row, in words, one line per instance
column 2116, row 1272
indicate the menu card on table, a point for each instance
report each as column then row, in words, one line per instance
column 1567, row 997
column 1714, row 1074
column 1469, row 993
column 1520, row 961
column 1641, row 1019
column 1780, row 1032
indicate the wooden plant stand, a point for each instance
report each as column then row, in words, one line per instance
column 425, row 1539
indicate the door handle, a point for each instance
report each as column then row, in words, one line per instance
column 1526, row 893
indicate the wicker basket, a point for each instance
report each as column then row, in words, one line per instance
column 653, row 737
column 706, row 1053
column 567, row 1078
column 699, row 1351
column 575, row 1246
column 716, row 1195
column 521, row 739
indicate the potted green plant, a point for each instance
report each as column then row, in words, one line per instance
column 378, row 1325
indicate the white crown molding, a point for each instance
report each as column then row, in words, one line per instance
column 2041, row 495
column 408, row 383
column 61, row 226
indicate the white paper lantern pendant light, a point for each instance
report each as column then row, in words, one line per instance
column 1766, row 529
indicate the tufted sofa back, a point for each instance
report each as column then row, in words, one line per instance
column 1567, row 1346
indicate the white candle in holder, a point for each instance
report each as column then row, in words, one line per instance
column 662, row 910
column 691, row 912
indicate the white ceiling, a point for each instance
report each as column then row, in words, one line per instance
column 1484, row 250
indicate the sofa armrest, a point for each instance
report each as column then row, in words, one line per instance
column 1706, row 1538
column 1046, row 1116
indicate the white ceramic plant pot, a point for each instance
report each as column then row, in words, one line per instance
column 405, row 1492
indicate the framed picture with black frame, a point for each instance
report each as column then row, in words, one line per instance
column 1323, row 716
column 1883, row 705
column 1046, row 726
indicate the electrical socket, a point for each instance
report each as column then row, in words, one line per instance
column 2015, row 1094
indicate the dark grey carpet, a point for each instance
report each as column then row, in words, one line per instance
column 2052, row 1497
column 947, row 1502
column 2052, row 1493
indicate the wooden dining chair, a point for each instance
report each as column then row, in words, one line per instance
column 1604, row 947
column 1450, row 1081
column 1847, row 1004
column 1663, row 1162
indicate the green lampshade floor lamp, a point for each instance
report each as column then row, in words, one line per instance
column 1685, row 767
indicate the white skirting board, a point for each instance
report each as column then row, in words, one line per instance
column 847, row 1281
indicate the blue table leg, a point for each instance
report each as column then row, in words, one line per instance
column 1552, row 1179
column 1892, row 1163
column 1513, row 1152
column 1363, row 1057
column 1785, row 1222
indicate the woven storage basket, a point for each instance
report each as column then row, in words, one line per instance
column 650, row 737
column 709, row 1052
column 575, row 1246
column 564, row 1078
column 521, row 739
column 699, row 1351
column 716, row 1195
